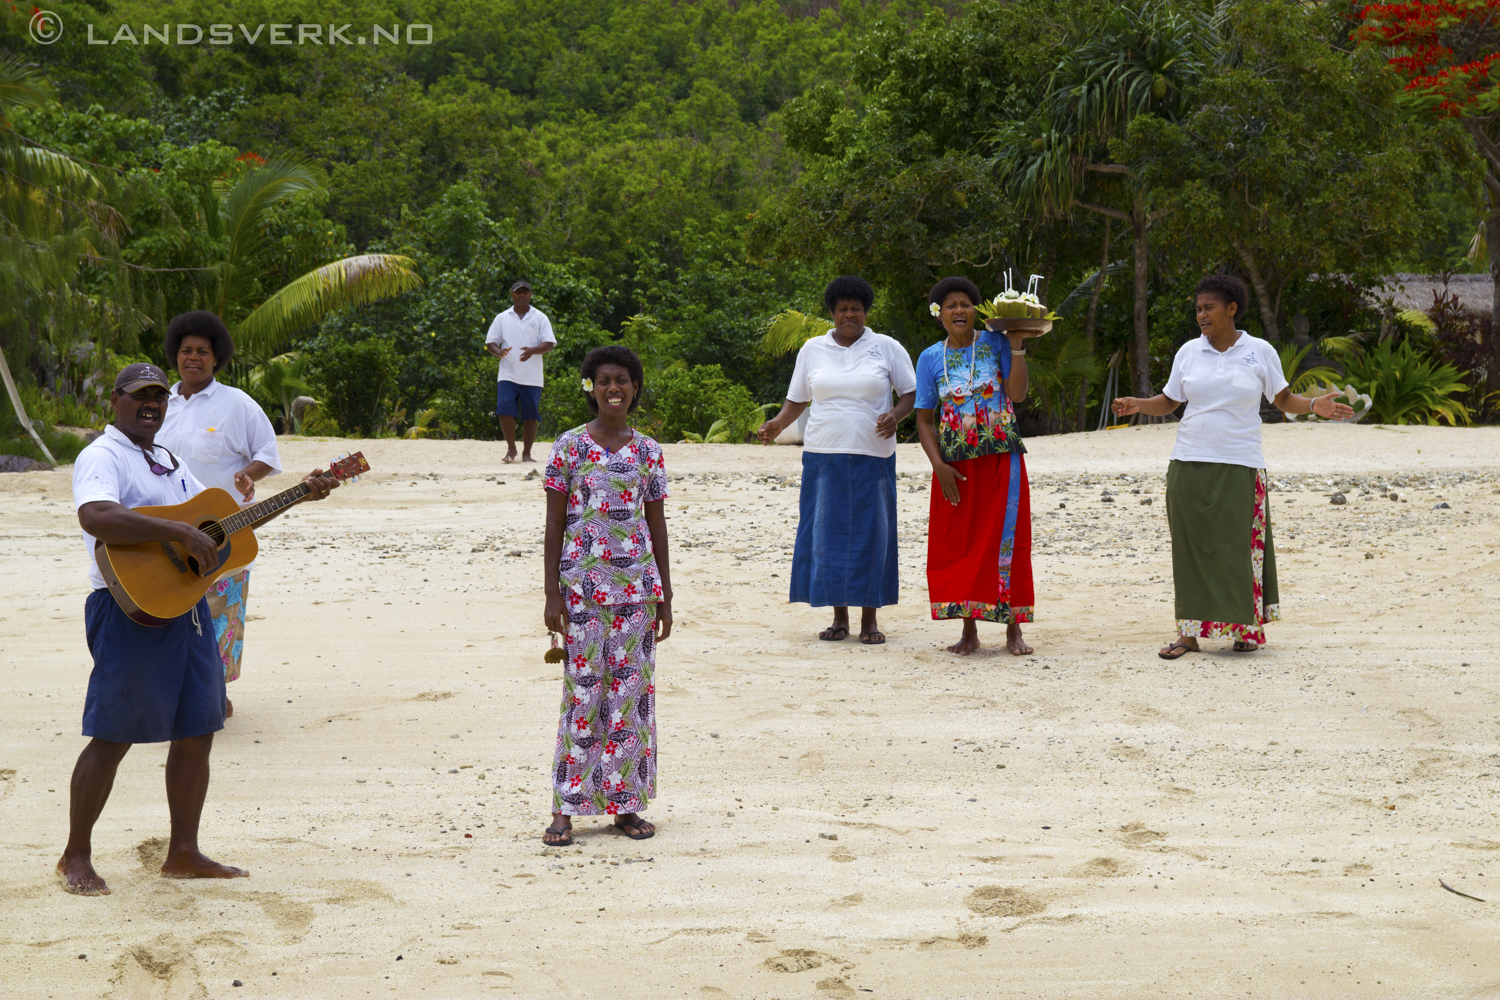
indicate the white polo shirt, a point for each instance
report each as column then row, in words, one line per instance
column 509, row 330
column 114, row 468
column 849, row 387
column 217, row 432
column 1223, row 394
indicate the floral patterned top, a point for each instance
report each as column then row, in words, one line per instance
column 976, row 416
column 607, row 555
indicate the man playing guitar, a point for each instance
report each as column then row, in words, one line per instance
column 148, row 685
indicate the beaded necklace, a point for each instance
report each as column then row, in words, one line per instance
column 973, row 358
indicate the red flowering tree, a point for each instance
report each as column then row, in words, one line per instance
column 1449, row 53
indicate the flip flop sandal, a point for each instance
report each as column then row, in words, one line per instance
column 568, row 830
column 834, row 633
column 636, row 836
column 1169, row 655
column 1245, row 647
column 870, row 638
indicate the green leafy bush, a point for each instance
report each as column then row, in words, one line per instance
column 1406, row 388
column 466, row 408
column 352, row 382
column 694, row 399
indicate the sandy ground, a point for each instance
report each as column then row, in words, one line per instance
column 835, row 820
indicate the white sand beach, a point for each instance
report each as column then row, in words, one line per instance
column 834, row 820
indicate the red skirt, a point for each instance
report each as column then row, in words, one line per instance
column 979, row 552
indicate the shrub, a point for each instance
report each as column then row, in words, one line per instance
column 466, row 408
column 1466, row 341
column 693, row 399
column 352, row 381
column 1405, row 387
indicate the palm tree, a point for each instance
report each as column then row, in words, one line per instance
column 1140, row 63
column 55, row 220
column 237, row 222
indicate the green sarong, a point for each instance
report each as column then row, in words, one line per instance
column 1223, row 562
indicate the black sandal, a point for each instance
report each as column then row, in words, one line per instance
column 1241, row 646
column 874, row 637
column 1169, row 655
column 566, row 831
column 644, row 835
column 834, row 633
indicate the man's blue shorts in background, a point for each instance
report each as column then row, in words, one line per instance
column 151, row 685
column 523, row 402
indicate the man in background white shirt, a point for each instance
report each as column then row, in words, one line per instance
column 519, row 337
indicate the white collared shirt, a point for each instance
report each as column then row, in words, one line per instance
column 1223, row 393
column 509, row 330
column 849, row 387
column 217, row 432
column 113, row 467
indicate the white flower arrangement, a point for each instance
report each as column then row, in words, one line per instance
column 588, row 385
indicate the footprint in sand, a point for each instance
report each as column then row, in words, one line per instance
column 797, row 960
column 1099, row 868
column 968, row 942
column 7, row 782
column 844, row 902
column 1003, row 901
column 434, row 696
column 152, row 852
column 836, row 987
column 1136, row 834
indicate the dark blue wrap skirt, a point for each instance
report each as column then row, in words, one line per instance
column 845, row 553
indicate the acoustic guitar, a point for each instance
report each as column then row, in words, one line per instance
column 155, row 582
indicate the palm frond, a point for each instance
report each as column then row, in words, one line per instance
column 1085, row 288
column 788, row 330
column 353, row 281
column 242, row 212
column 22, row 86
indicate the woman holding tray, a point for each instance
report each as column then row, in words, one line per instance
column 1223, row 561
column 979, row 521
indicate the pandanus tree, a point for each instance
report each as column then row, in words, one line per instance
column 1067, row 156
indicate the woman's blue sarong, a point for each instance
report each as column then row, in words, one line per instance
column 845, row 553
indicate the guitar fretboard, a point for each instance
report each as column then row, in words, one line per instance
column 260, row 511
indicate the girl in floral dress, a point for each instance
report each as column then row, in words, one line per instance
column 979, row 519
column 609, row 592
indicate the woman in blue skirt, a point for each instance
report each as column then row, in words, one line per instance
column 845, row 553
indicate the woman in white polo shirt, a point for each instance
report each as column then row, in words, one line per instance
column 226, row 441
column 845, row 550
column 1223, row 561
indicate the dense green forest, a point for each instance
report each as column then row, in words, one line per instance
column 675, row 175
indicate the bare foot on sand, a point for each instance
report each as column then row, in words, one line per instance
column 192, row 864
column 969, row 642
column 509, row 458
column 78, row 877
column 528, row 458
column 1014, row 642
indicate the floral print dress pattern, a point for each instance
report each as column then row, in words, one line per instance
column 226, row 606
column 1255, row 633
column 604, row 761
column 976, row 416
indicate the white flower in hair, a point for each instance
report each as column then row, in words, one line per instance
column 588, row 385
column 935, row 309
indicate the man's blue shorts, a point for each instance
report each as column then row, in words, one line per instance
column 523, row 402
column 151, row 685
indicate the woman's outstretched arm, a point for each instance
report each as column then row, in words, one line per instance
column 556, row 612
column 656, row 520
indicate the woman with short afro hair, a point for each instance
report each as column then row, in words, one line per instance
column 845, row 551
column 1223, row 557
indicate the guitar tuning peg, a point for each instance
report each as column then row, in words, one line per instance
column 355, row 479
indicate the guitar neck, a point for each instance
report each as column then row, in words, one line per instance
column 258, row 513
